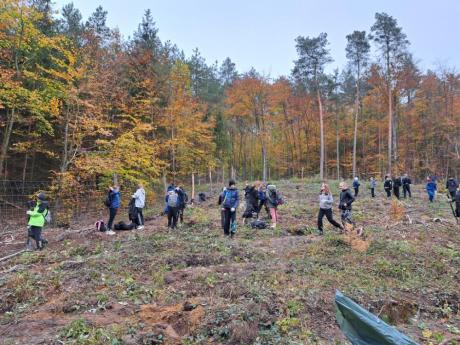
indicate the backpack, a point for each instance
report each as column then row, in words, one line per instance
column 123, row 226
column 132, row 210
column 108, row 200
column 258, row 224
column 229, row 198
column 172, row 199
column 233, row 227
column 48, row 217
column 100, row 226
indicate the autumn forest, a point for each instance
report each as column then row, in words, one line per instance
column 80, row 104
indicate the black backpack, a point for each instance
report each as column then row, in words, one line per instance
column 123, row 226
column 258, row 224
column 108, row 200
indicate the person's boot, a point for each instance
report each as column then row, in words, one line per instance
column 320, row 232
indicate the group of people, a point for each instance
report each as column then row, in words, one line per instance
column 257, row 196
column 175, row 202
column 136, row 207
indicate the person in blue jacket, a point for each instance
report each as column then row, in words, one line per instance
column 229, row 206
column 115, row 201
column 431, row 188
column 356, row 185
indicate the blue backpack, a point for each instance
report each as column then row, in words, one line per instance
column 229, row 198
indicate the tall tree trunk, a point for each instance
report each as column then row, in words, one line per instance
column 65, row 153
column 264, row 163
column 355, row 134
column 321, row 157
column 6, row 137
column 337, row 142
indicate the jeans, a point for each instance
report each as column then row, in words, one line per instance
column 328, row 213
column 356, row 191
column 346, row 217
column 229, row 218
column 112, row 214
column 406, row 190
column 140, row 216
column 373, row 192
column 173, row 213
column 431, row 196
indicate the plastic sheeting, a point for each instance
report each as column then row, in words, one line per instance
column 364, row 328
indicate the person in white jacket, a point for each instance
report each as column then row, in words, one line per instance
column 139, row 198
column 325, row 208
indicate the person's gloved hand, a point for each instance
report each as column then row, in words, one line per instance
column 29, row 213
column 232, row 209
column 223, row 209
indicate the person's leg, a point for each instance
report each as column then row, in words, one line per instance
column 112, row 214
column 452, row 194
column 222, row 219
column 170, row 216
column 372, row 193
column 320, row 220
column 409, row 191
column 273, row 215
column 227, row 219
column 331, row 219
column 232, row 220
column 182, row 210
column 175, row 216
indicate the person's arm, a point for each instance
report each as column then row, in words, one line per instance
column 351, row 198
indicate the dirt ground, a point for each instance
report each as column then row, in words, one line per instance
column 273, row 286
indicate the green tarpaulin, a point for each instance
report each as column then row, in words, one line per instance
column 364, row 328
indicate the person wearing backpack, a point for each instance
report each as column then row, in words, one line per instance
column 230, row 204
column 182, row 200
column 114, row 202
column 356, row 185
column 373, row 184
column 451, row 186
column 325, row 208
column 272, row 202
column 388, row 185
column 397, row 183
column 172, row 202
column 346, row 200
column 38, row 216
column 139, row 204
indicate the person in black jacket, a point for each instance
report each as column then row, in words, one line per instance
column 346, row 200
column 251, row 196
column 451, row 186
column 397, row 183
column 406, row 182
column 388, row 185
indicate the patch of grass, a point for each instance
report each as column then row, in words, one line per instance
column 81, row 332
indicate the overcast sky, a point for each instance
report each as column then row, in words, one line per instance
column 261, row 33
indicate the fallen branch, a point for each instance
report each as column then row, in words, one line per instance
column 12, row 255
column 11, row 204
column 15, row 268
